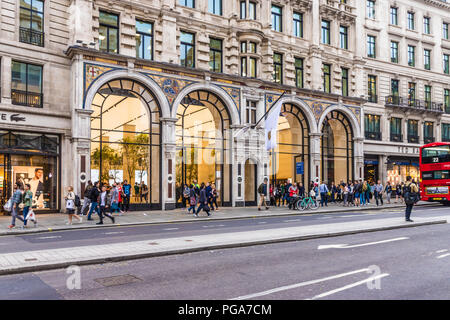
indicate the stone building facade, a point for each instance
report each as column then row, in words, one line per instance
column 162, row 93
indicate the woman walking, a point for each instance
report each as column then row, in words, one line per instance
column 388, row 190
column 27, row 202
column 203, row 200
column 114, row 208
column 70, row 206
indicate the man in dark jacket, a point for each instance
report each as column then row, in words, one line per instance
column 203, row 201
column 262, row 190
column 86, row 201
column 410, row 193
column 93, row 195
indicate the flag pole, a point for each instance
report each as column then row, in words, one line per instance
column 267, row 112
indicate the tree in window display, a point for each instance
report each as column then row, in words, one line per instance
column 111, row 159
column 135, row 152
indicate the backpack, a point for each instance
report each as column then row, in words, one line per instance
column 77, row 201
column 186, row 192
column 260, row 189
column 409, row 196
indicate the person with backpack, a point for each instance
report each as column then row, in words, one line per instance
column 93, row 195
column 262, row 191
column 203, row 200
column 70, row 206
column 388, row 190
column 126, row 188
column 215, row 195
column 411, row 196
column 114, row 207
column 87, row 200
column 192, row 199
column 323, row 189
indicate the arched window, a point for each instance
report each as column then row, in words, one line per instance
column 290, row 159
column 337, row 149
column 202, row 135
column 125, row 139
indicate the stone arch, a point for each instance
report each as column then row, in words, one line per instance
column 305, row 109
column 222, row 94
column 124, row 74
column 356, row 127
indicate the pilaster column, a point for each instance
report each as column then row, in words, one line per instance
column 315, row 156
column 6, row 64
column 168, row 163
column 358, row 147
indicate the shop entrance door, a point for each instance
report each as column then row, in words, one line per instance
column 4, row 186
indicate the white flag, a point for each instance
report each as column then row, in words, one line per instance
column 271, row 125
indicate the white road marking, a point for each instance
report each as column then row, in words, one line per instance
column 114, row 232
column 443, row 256
column 354, row 215
column 440, row 251
column 50, row 237
column 213, row 226
column 297, row 285
column 346, row 246
column 322, row 218
column 262, row 222
column 293, row 220
column 328, row 293
column 169, row 229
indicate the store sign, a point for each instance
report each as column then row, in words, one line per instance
column 408, row 150
column 15, row 117
column 300, row 168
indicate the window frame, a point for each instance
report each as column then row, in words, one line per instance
column 393, row 14
column 426, row 25
column 410, row 16
column 446, row 63
column 26, row 91
column 427, row 59
column 214, row 50
column 279, row 69
column 394, row 49
column 213, row 10
column 186, row 49
column 300, row 69
column 445, row 34
column 108, row 27
column 325, row 31
column 344, row 81
column 298, row 24
column 143, row 35
column 372, row 88
column 370, row 9
column 411, row 53
column 30, row 28
column 371, row 46
column 343, row 35
column 277, row 18
column 326, row 77
column 185, row 3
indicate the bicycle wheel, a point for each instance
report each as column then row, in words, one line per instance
column 313, row 205
column 303, row 205
column 297, row 204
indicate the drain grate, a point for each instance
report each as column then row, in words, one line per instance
column 117, row 280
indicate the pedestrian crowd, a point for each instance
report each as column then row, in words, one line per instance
column 197, row 197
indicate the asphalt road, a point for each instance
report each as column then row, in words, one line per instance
column 411, row 263
column 117, row 234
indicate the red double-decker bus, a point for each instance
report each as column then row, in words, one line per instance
column 435, row 172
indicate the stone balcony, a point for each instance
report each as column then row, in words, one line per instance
column 334, row 9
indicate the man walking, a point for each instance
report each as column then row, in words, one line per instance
column 378, row 192
column 410, row 194
column 16, row 200
column 93, row 196
column 262, row 190
column 103, row 202
column 323, row 189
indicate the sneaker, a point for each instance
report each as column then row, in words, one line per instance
column 99, row 223
column 195, row 215
column 11, row 226
column 69, row 223
column 81, row 219
column 409, row 220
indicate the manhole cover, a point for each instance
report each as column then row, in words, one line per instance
column 117, row 280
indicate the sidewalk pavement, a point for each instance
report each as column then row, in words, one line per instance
column 19, row 262
column 57, row 221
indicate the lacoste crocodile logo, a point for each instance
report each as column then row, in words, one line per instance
column 16, row 117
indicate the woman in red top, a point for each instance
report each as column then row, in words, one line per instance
column 119, row 188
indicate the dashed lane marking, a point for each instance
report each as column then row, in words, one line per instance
column 113, row 232
column 293, row 220
column 171, row 229
column 440, row 251
column 50, row 237
column 444, row 255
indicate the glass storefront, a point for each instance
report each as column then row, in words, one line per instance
column 27, row 158
column 399, row 169
column 202, row 135
column 290, row 160
column 125, row 139
column 337, row 149
column 371, row 169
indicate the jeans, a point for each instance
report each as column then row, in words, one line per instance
column 114, row 207
column 15, row 214
column 192, row 207
column 262, row 200
column 362, row 198
column 25, row 213
column 323, row 198
column 378, row 196
column 93, row 207
column 345, row 198
column 203, row 206
column 86, row 204
column 408, row 211
column 103, row 212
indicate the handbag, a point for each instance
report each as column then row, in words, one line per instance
column 8, row 205
column 31, row 216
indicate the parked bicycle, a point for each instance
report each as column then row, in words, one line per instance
column 306, row 203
